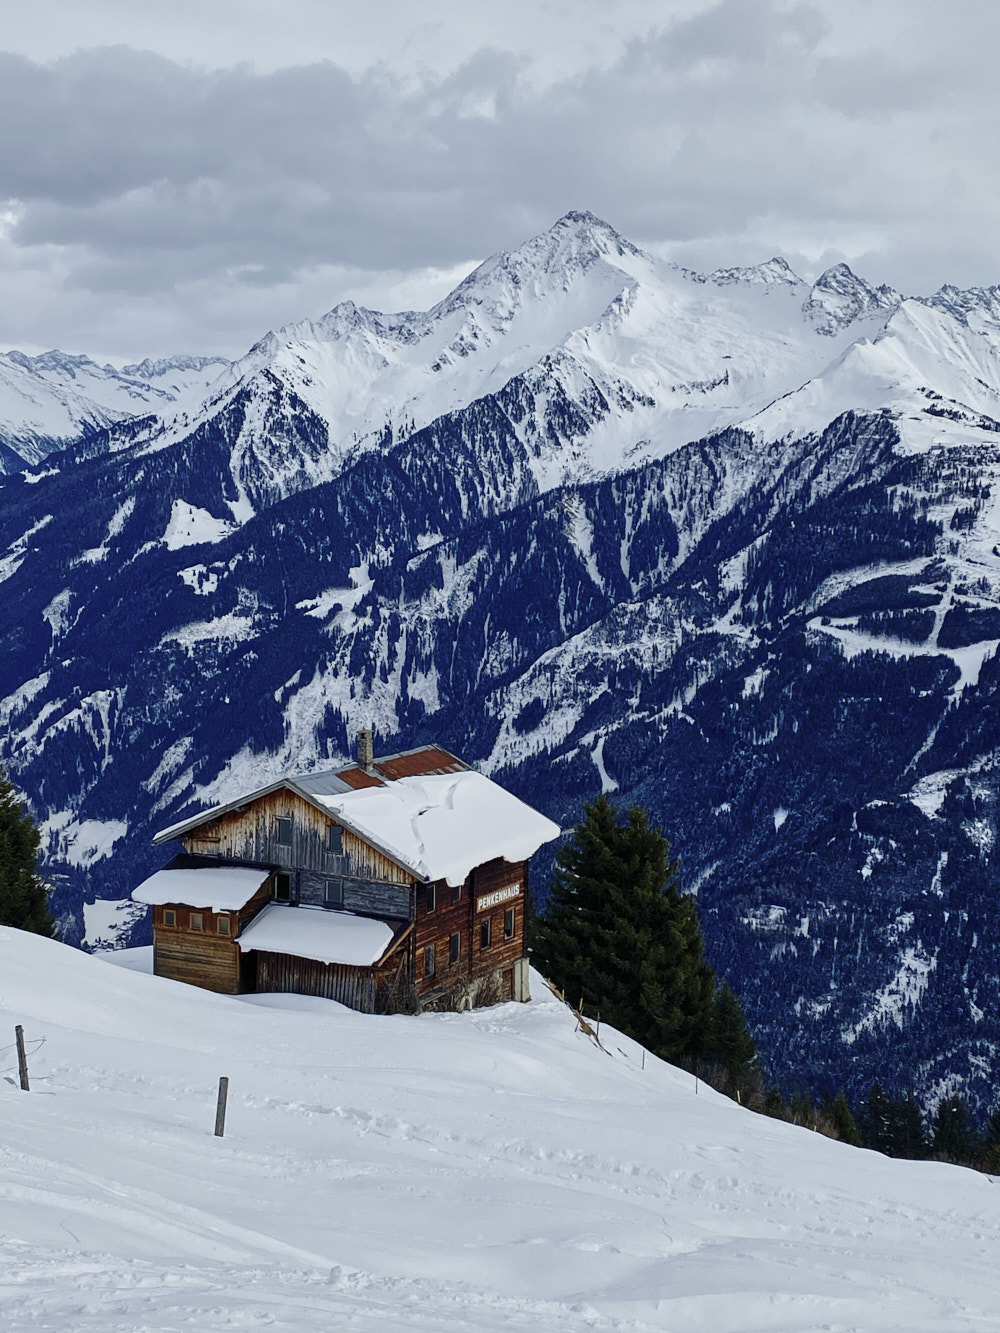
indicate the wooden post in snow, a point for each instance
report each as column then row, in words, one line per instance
column 220, row 1109
column 22, row 1059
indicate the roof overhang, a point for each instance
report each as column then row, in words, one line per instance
column 212, row 888
column 321, row 934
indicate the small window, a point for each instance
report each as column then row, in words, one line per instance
column 508, row 924
column 333, row 892
column 335, row 839
column 196, row 920
column 169, row 917
column 285, row 832
column 456, row 893
column 222, row 925
column 430, row 897
column 454, row 949
column 283, row 888
column 429, row 961
column 484, row 934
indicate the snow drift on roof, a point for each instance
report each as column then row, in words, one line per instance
column 215, row 888
column 443, row 826
column 318, row 933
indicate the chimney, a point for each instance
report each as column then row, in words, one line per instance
column 366, row 749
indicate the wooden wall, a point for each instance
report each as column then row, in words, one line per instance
column 199, row 957
column 371, row 882
column 465, row 916
column 353, row 986
column 203, row 958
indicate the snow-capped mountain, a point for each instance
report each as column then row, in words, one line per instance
column 48, row 402
column 726, row 544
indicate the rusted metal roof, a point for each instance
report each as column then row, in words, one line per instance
column 418, row 763
column 356, row 778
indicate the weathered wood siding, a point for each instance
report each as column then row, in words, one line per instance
column 464, row 916
column 353, row 986
column 260, row 899
column 360, row 895
column 371, row 882
column 199, row 957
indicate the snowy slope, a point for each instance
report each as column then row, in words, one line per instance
column 493, row 1170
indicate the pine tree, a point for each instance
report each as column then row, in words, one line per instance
column 842, row 1120
column 729, row 1043
column 953, row 1138
column 877, row 1120
column 22, row 894
column 620, row 936
column 991, row 1144
column 911, row 1141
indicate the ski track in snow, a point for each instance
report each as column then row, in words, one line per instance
column 485, row 1171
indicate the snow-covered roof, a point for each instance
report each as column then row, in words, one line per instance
column 386, row 768
column 444, row 825
column 215, row 888
column 319, row 933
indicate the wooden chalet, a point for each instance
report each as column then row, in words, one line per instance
column 389, row 882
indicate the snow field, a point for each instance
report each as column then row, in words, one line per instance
column 483, row 1171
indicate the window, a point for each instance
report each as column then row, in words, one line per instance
column 484, row 934
column 333, row 892
column 454, row 948
column 456, row 893
column 169, row 917
column 335, row 839
column 222, row 925
column 285, row 832
column 430, row 898
column 508, row 924
column 283, row 888
column 429, row 961
column 196, row 921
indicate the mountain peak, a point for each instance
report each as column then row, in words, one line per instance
column 962, row 302
column 775, row 270
column 150, row 368
column 839, row 297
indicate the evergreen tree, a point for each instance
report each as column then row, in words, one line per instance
column 953, row 1138
column 838, row 1112
column 729, row 1043
column 877, row 1121
column 22, row 894
column 619, row 935
column 990, row 1161
column 910, row 1138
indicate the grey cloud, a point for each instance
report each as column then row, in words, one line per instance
column 150, row 176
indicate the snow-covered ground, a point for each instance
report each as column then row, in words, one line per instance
column 492, row 1170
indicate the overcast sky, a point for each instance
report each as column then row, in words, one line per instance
column 183, row 177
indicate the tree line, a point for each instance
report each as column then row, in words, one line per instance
column 620, row 941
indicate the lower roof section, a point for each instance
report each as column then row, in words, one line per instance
column 214, row 888
column 319, row 933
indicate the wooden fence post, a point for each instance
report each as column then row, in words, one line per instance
column 22, row 1059
column 220, row 1109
